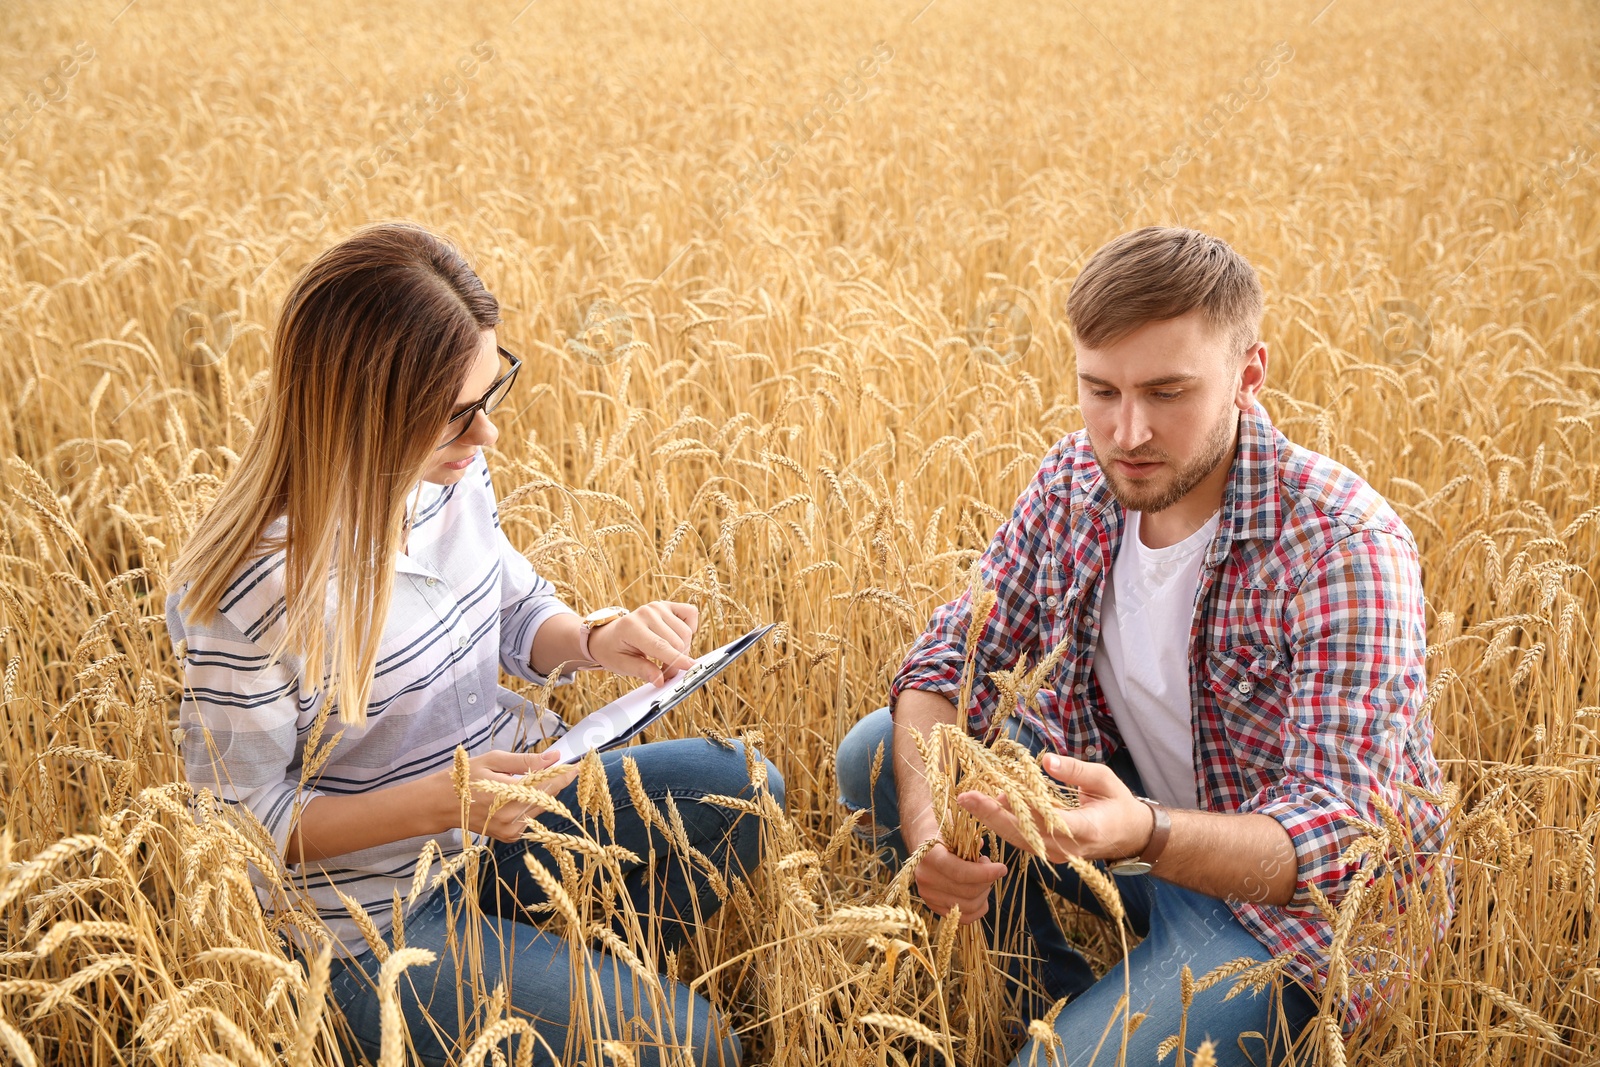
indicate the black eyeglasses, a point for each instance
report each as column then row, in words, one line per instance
column 461, row 420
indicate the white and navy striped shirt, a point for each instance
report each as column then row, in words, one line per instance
column 466, row 605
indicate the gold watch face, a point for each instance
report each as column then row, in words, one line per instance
column 603, row 616
column 1129, row 867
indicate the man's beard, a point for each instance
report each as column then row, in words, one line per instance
column 1218, row 447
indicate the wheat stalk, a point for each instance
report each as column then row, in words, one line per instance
column 795, row 427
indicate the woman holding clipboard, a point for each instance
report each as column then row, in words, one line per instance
column 359, row 532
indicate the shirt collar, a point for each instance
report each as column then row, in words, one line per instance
column 409, row 565
column 416, row 501
column 1250, row 505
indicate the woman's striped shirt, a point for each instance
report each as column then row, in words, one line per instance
column 466, row 605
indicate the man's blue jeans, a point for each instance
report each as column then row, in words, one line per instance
column 1179, row 926
column 650, row 1015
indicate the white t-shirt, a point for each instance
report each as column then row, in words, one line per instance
column 1142, row 661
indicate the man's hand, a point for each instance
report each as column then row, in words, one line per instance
column 650, row 643
column 945, row 880
column 1109, row 823
column 1245, row 856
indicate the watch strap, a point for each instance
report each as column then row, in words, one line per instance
column 592, row 622
column 1158, row 833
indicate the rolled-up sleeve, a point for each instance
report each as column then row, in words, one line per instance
column 527, row 602
column 239, row 721
column 936, row 659
column 1357, row 640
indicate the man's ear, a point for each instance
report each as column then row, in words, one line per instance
column 1252, row 375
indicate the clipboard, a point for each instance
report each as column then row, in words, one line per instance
column 626, row 718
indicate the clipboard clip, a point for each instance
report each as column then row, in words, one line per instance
column 697, row 670
column 702, row 672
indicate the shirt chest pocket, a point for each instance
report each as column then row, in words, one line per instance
column 1054, row 599
column 1249, row 684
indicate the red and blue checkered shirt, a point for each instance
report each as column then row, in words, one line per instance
column 1306, row 672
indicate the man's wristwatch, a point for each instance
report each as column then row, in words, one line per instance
column 1142, row 863
column 592, row 622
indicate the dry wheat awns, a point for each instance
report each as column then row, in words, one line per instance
column 800, row 386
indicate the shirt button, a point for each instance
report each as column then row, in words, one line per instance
column 472, row 698
column 1244, row 689
column 1092, row 751
column 462, row 642
column 1079, row 688
column 1050, row 601
column 433, row 581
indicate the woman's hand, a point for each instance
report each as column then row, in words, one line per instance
column 650, row 643
column 510, row 818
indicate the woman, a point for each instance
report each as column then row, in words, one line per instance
column 360, row 532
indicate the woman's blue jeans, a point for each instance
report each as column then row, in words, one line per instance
column 537, row 967
column 1178, row 927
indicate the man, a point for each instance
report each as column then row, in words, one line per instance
column 1243, row 628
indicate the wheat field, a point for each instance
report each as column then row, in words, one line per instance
column 789, row 286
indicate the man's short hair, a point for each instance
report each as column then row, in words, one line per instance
column 1159, row 273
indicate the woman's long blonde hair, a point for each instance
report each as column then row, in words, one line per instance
column 374, row 342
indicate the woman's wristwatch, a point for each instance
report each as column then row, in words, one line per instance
column 592, row 622
column 1159, row 833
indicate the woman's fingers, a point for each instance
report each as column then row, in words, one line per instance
column 546, row 774
column 513, row 764
column 677, row 635
column 562, row 780
column 508, row 826
column 502, row 818
column 672, row 658
column 663, row 626
column 508, row 830
column 686, row 612
column 652, row 646
column 505, row 820
column 645, row 644
column 673, row 621
column 651, row 643
column 667, row 623
column 529, row 813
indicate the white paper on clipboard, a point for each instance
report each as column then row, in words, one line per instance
column 626, row 717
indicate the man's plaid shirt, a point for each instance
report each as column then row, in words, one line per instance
column 1305, row 660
